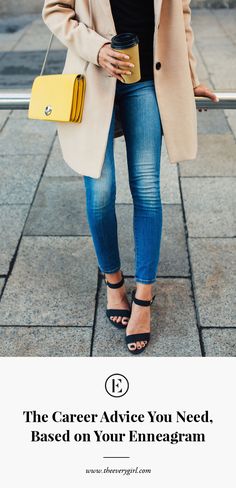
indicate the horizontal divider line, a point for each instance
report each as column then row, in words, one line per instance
column 48, row 326
column 212, row 237
column 56, row 235
column 207, row 176
column 186, row 277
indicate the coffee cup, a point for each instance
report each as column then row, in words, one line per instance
column 128, row 43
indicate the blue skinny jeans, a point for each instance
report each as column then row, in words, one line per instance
column 143, row 132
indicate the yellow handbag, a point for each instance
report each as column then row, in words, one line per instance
column 57, row 98
column 60, row 97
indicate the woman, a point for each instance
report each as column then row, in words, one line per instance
column 162, row 102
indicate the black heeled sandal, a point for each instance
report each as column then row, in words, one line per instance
column 115, row 311
column 142, row 336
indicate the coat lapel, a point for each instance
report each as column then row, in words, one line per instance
column 106, row 6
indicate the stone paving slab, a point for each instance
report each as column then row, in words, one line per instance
column 29, row 137
column 174, row 330
column 170, row 192
column 173, row 254
column 2, row 281
column 212, row 122
column 59, row 208
column 53, row 282
column 4, row 114
column 12, row 28
column 11, row 24
column 37, row 38
column 38, row 30
column 227, row 21
column 20, row 175
column 210, row 206
column 223, row 66
column 19, row 68
column 45, row 341
column 56, row 166
column 12, row 220
column 8, row 41
column 231, row 119
column 214, row 277
column 201, row 68
column 123, row 194
column 19, row 114
column 124, row 215
column 205, row 24
column 216, row 157
column 220, row 342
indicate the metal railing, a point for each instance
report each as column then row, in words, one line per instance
column 19, row 100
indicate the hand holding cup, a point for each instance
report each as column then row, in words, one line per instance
column 114, row 57
column 114, row 62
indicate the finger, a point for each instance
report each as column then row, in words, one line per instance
column 118, row 68
column 112, row 67
column 211, row 95
column 109, row 68
column 117, row 54
column 120, row 64
column 125, row 64
column 118, row 71
column 119, row 78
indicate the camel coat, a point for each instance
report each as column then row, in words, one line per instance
column 84, row 144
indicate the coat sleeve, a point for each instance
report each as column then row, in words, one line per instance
column 61, row 19
column 190, row 40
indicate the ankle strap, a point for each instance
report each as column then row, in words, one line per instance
column 115, row 285
column 143, row 303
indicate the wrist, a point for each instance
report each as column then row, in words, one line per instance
column 100, row 50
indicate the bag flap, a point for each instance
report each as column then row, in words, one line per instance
column 52, row 96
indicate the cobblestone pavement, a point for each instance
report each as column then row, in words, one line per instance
column 53, row 297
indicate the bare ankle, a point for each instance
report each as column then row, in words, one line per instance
column 113, row 277
column 144, row 291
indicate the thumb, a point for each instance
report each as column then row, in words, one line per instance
column 213, row 97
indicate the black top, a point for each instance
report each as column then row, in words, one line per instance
column 137, row 16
